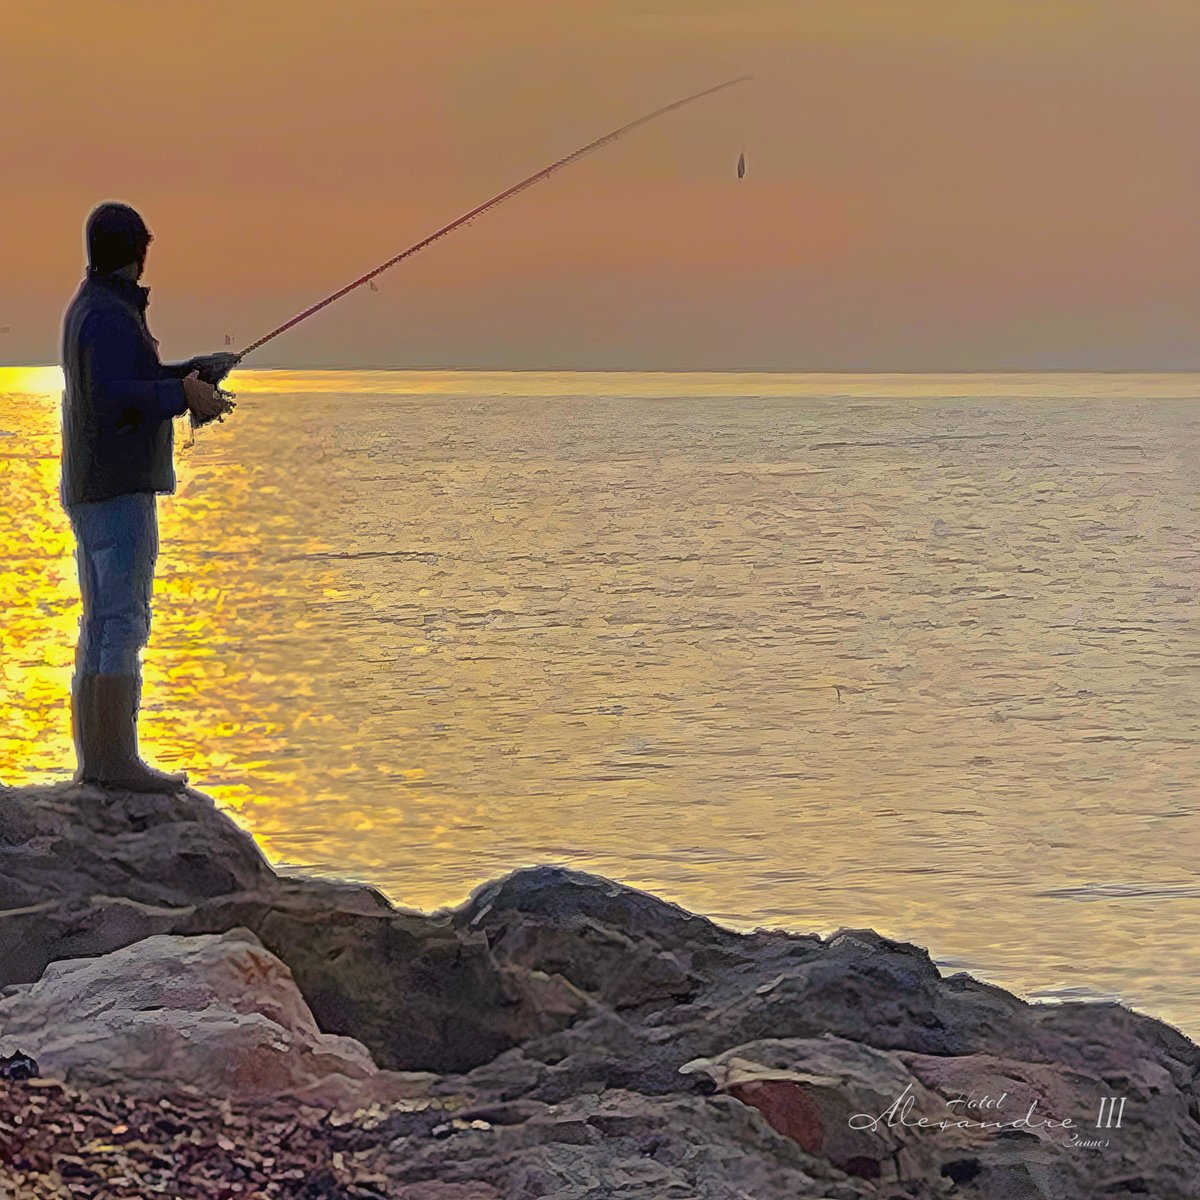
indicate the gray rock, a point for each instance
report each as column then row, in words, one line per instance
column 623, row 1145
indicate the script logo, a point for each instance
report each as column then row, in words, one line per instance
column 900, row 1113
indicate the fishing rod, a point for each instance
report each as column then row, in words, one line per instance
column 466, row 218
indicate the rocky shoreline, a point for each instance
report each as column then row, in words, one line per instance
column 205, row 1026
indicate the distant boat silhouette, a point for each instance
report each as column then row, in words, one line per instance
column 741, row 166
column 229, row 339
column 371, row 285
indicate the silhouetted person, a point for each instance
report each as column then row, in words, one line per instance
column 117, row 456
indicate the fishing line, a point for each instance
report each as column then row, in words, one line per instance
column 507, row 194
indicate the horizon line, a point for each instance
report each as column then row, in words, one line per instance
column 1193, row 370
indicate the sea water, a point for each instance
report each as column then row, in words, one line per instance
column 920, row 653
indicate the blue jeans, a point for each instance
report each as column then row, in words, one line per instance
column 116, row 548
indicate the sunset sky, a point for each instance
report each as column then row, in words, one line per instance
column 968, row 184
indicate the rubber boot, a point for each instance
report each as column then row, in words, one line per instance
column 114, row 721
column 82, row 722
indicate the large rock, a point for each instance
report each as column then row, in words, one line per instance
column 84, row 872
column 218, row 1014
column 622, row 946
column 157, row 850
column 621, row 1145
column 699, row 988
column 820, row 1091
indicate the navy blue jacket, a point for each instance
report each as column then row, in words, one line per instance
column 119, row 399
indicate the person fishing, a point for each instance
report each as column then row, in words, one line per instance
column 117, row 458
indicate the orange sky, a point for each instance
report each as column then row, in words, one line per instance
column 966, row 184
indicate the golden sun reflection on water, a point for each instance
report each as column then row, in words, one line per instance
column 233, row 604
column 39, row 595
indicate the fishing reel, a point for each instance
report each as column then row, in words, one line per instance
column 212, row 369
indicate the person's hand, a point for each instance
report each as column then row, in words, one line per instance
column 204, row 401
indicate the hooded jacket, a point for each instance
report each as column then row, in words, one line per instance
column 119, row 398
